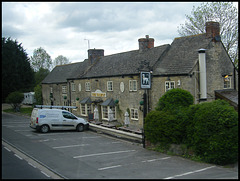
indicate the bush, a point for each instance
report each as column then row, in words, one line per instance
column 213, row 132
column 164, row 127
column 15, row 99
column 173, row 99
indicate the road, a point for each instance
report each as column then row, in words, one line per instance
column 88, row 155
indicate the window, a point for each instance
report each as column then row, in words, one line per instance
column 51, row 90
column 169, row 85
column 227, row 82
column 87, row 86
column 73, row 87
column 68, row 115
column 109, row 86
column 132, row 85
column 79, row 87
column 105, row 110
column 64, row 89
column 134, row 114
column 86, row 109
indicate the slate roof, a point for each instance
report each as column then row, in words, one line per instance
column 178, row 58
column 61, row 73
column 229, row 94
column 182, row 56
column 126, row 63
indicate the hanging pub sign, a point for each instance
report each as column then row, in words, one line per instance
column 145, row 80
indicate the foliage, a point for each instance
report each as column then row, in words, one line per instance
column 60, row 60
column 224, row 13
column 15, row 99
column 174, row 99
column 40, row 75
column 213, row 132
column 17, row 74
column 41, row 59
column 38, row 94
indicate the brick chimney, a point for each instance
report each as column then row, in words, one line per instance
column 213, row 30
column 145, row 43
column 94, row 55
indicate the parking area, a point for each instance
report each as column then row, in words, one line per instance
column 92, row 155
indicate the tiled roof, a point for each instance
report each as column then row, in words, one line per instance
column 125, row 63
column 229, row 94
column 182, row 56
column 61, row 73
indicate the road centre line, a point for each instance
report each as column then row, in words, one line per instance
column 188, row 173
column 106, row 153
column 69, row 146
column 104, row 168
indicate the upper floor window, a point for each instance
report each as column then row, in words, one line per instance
column 109, row 85
column 87, row 86
column 132, row 85
column 73, row 87
column 51, row 90
column 169, row 85
column 79, row 87
column 64, row 89
column 227, row 82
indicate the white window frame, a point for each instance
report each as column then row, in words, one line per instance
column 79, row 87
column 73, row 86
column 227, row 83
column 132, row 85
column 64, row 89
column 51, row 90
column 134, row 114
column 86, row 109
column 169, row 85
column 105, row 110
column 109, row 85
column 87, row 86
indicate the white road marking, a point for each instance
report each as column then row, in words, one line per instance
column 156, row 159
column 107, row 153
column 104, row 168
column 45, row 174
column 187, row 173
column 69, row 146
column 7, row 149
column 32, row 165
column 18, row 156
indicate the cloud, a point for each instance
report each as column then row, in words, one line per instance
column 60, row 28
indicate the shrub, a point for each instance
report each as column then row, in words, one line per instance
column 213, row 132
column 173, row 99
column 15, row 99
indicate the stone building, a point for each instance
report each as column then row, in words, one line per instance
column 112, row 85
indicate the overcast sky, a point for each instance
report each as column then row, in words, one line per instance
column 62, row 28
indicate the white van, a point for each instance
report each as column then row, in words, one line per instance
column 56, row 119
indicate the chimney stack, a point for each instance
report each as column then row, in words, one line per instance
column 145, row 43
column 213, row 30
column 94, row 55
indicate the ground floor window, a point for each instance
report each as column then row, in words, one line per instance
column 108, row 111
column 134, row 114
column 86, row 109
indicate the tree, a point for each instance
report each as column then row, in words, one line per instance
column 224, row 13
column 17, row 74
column 60, row 60
column 41, row 59
column 40, row 75
column 15, row 99
column 38, row 94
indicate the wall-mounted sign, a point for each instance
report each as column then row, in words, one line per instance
column 98, row 93
column 145, row 80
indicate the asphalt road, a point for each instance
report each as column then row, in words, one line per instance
column 88, row 155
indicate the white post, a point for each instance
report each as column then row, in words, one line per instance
column 203, row 77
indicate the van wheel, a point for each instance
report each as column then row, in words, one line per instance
column 44, row 128
column 80, row 127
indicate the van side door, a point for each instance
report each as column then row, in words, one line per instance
column 69, row 120
column 54, row 120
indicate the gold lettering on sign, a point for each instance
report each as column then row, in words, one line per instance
column 98, row 93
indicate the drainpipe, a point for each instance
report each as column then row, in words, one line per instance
column 203, row 77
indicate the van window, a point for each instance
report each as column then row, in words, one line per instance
column 68, row 115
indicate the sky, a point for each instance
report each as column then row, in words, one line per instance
column 70, row 28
